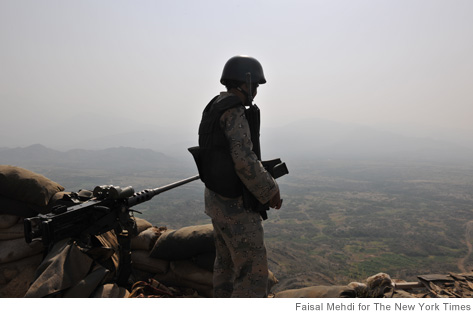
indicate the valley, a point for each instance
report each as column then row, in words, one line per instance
column 341, row 220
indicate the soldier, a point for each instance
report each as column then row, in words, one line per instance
column 235, row 180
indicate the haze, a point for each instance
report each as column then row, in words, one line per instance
column 74, row 70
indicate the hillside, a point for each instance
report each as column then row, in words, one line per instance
column 342, row 220
column 349, row 220
column 306, row 138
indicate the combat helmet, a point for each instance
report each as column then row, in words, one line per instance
column 237, row 67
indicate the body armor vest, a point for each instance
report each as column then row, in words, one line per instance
column 216, row 167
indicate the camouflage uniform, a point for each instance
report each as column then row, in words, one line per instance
column 240, row 268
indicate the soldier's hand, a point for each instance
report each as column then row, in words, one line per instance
column 276, row 201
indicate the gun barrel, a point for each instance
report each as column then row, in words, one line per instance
column 147, row 194
column 175, row 184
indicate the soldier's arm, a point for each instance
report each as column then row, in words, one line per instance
column 247, row 166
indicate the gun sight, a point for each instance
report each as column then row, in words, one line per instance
column 113, row 192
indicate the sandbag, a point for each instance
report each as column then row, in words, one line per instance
column 17, row 249
column 142, row 224
column 146, row 239
column 18, row 208
column 318, row 292
column 8, row 220
column 187, row 270
column 184, row 243
column 110, row 290
column 12, row 233
column 18, row 286
column 205, row 260
column 21, row 184
column 141, row 261
column 11, row 270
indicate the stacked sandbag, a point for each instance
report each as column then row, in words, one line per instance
column 168, row 256
column 141, row 245
column 181, row 258
column 184, row 243
column 18, row 260
column 23, row 194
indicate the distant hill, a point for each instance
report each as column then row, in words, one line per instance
column 305, row 139
column 125, row 158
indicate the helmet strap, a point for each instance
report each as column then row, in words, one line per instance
column 248, row 93
column 245, row 94
column 248, row 86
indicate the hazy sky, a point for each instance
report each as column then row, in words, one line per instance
column 159, row 62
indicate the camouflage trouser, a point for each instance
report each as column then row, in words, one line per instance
column 241, row 267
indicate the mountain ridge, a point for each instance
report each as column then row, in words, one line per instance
column 110, row 158
column 305, row 138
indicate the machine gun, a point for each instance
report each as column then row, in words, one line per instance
column 109, row 209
